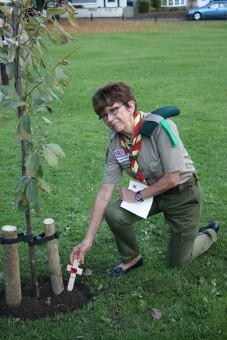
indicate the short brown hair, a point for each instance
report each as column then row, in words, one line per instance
column 111, row 93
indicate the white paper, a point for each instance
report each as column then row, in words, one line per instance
column 139, row 208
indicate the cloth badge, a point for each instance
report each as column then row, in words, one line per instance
column 121, row 156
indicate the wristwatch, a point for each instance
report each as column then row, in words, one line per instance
column 138, row 196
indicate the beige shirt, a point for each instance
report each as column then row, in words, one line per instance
column 156, row 158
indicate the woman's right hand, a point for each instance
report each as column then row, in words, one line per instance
column 78, row 253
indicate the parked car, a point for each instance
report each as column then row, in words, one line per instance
column 213, row 10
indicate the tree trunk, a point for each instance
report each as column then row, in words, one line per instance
column 24, row 151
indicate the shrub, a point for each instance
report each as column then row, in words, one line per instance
column 156, row 4
column 143, row 6
column 78, row 6
column 173, row 9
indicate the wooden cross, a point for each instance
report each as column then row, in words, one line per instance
column 74, row 270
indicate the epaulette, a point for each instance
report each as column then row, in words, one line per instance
column 158, row 117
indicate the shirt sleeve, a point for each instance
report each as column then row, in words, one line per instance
column 112, row 171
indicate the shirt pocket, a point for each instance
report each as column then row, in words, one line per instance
column 156, row 169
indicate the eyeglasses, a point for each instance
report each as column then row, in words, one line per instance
column 112, row 112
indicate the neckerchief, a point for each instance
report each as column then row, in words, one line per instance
column 136, row 145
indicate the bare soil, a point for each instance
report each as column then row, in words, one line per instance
column 47, row 304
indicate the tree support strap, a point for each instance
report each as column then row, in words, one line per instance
column 30, row 239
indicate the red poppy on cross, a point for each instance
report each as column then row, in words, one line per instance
column 74, row 270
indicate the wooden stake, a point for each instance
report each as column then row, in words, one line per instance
column 11, row 268
column 53, row 258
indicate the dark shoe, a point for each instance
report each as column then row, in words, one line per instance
column 211, row 225
column 117, row 271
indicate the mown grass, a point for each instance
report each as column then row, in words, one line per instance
column 181, row 64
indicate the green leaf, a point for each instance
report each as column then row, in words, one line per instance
column 55, row 11
column 71, row 14
column 51, row 36
column 61, row 77
column 9, row 91
column 20, row 195
column 70, row 8
column 46, row 97
column 21, row 188
column 36, row 207
column 32, row 164
column 54, row 95
column 39, row 173
column 13, row 104
column 59, row 35
column 50, row 157
column 22, row 205
column 25, row 3
column 24, row 127
column 43, row 186
column 32, row 192
column 72, row 19
column 47, row 121
column 38, row 102
column 24, row 182
column 56, row 149
column 5, row 10
column 11, row 54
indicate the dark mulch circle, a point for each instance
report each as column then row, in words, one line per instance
column 47, row 304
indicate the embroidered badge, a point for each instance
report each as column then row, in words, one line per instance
column 121, row 156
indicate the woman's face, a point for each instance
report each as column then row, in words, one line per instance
column 119, row 117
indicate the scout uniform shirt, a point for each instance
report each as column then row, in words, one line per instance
column 156, row 157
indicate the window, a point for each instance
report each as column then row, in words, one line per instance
column 214, row 6
column 168, row 3
column 80, row 2
column 223, row 4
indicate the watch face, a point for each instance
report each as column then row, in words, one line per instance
column 138, row 196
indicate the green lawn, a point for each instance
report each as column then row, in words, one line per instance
column 181, row 64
